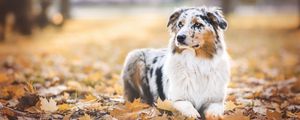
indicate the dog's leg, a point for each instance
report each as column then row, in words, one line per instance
column 186, row 108
column 214, row 111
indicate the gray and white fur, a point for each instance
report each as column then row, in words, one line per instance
column 193, row 72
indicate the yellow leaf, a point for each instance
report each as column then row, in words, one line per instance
column 165, row 105
column 232, row 85
column 48, row 106
column 89, row 97
column 229, row 105
column 64, row 107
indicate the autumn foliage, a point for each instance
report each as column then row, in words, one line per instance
column 74, row 73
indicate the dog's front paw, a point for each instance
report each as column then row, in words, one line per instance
column 186, row 108
column 193, row 113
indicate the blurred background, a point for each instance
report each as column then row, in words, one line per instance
column 72, row 21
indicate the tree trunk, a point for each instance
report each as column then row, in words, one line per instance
column 65, row 8
column 227, row 7
column 43, row 19
column 298, row 14
column 2, row 19
column 23, row 15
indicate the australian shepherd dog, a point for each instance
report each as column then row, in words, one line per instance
column 192, row 72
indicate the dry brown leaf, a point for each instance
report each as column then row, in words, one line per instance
column 3, row 78
column 273, row 115
column 296, row 86
column 231, row 98
column 229, row 105
column 124, row 114
column 48, row 106
column 165, row 105
column 237, row 115
column 8, row 112
column 34, row 109
column 136, row 105
column 131, row 110
column 293, row 115
column 15, row 91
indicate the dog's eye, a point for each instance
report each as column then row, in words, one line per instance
column 198, row 25
column 180, row 24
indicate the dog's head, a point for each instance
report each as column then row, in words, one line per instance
column 196, row 27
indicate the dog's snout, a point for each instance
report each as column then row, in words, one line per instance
column 181, row 38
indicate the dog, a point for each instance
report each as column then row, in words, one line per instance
column 192, row 72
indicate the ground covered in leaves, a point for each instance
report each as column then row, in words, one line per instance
column 73, row 72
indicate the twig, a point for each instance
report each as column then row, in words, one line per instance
column 20, row 113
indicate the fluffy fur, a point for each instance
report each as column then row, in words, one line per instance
column 192, row 72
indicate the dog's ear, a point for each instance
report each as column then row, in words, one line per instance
column 174, row 17
column 216, row 18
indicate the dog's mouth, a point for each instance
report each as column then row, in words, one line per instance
column 196, row 46
column 180, row 45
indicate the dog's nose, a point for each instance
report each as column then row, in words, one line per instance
column 181, row 38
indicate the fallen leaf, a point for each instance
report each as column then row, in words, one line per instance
column 131, row 110
column 136, row 105
column 89, row 97
column 293, row 115
column 48, row 106
column 165, row 105
column 229, row 105
column 238, row 115
column 273, row 115
column 3, row 78
column 65, row 107
column 296, row 86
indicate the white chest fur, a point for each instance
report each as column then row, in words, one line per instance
column 197, row 80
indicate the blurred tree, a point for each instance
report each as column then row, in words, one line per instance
column 226, row 6
column 21, row 9
column 2, row 19
column 42, row 18
column 298, row 14
column 65, row 8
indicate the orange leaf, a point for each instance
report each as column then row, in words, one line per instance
column 273, row 115
column 238, row 115
column 165, row 105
